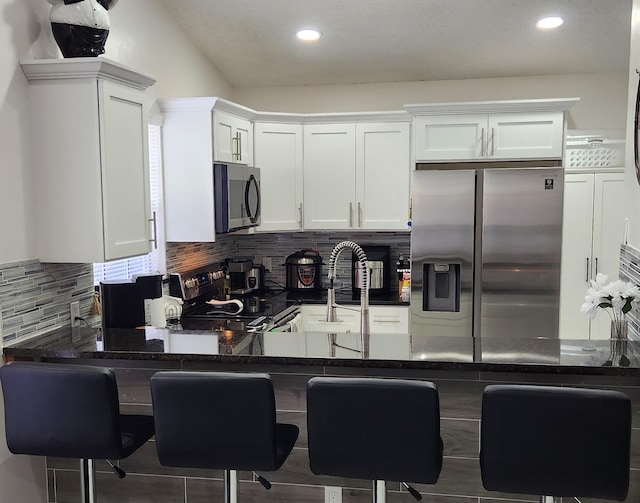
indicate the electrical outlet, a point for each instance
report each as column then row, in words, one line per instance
column 74, row 310
column 266, row 262
column 333, row 495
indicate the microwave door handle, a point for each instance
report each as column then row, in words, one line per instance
column 253, row 215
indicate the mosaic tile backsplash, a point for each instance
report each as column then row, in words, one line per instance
column 35, row 297
column 278, row 246
column 630, row 271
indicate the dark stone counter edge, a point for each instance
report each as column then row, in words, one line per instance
column 36, row 354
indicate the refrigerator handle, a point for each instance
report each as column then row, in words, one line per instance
column 587, row 275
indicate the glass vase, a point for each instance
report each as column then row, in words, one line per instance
column 618, row 343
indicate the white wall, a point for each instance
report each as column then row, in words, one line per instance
column 142, row 36
column 632, row 193
column 603, row 97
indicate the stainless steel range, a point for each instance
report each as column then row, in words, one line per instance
column 206, row 306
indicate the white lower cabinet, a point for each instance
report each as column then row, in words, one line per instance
column 90, row 126
column 279, row 155
column 382, row 319
column 357, row 176
column 591, row 237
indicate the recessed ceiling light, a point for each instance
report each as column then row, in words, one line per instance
column 548, row 23
column 308, row 35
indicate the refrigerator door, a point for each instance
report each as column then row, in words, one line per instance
column 521, row 253
column 442, row 244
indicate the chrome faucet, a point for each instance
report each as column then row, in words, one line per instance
column 365, row 333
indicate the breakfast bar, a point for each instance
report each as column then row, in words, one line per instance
column 459, row 368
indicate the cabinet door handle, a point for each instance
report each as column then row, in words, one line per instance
column 350, row 214
column 493, row 134
column 239, row 145
column 482, row 143
column 234, row 151
column 359, row 215
column 154, row 223
column 596, row 266
column 587, row 275
column 300, row 211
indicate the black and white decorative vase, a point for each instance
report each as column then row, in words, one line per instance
column 80, row 27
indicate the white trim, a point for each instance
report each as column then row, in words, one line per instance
column 471, row 107
column 84, row 68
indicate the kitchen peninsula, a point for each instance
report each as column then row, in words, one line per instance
column 292, row 359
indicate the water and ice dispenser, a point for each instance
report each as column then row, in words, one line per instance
column 441, row 287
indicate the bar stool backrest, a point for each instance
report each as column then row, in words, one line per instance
column 374, row 429
column 61, row 410
column 215, row 420
column 555, row 441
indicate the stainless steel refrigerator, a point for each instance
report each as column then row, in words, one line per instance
column 485, row 257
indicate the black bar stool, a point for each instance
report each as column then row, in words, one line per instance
column 69, row 411
column 375, row 429
column 224, row 421
column 553, row 442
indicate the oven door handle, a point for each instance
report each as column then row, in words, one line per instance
column 215, row 302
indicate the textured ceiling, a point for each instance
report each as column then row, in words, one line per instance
column 252, row 42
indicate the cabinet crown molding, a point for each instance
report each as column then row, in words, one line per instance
column 534, row 105
column 215, row 103
column 83, row 68
column 206, row 103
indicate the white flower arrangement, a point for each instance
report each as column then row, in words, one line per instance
column 618, row 296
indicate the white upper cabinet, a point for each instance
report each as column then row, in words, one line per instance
column 90, row 136
column 356, row 176
column 232, row 139
column 279, row 155
column 192, row 129
column 506, row 130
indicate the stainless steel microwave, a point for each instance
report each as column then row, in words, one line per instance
column 237, row 196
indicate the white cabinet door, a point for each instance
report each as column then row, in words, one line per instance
column 125, row 174
column 608, row 215
column 329, row 176
column 450, row 137
column 525, row 136
column 224, row 134
column 383, row 169
column 577, row 232
column 244, row 142
column 589, row 247
column 279, row 155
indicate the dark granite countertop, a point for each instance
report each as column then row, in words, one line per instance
column 299, row 348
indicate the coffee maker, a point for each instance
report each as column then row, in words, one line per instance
column 123, row 300
column 379, row 259
column 245, row 277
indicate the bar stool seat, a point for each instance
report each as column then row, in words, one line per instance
column 219, row 420
column 374, row 429
column 555, row 442
column 69, row 411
